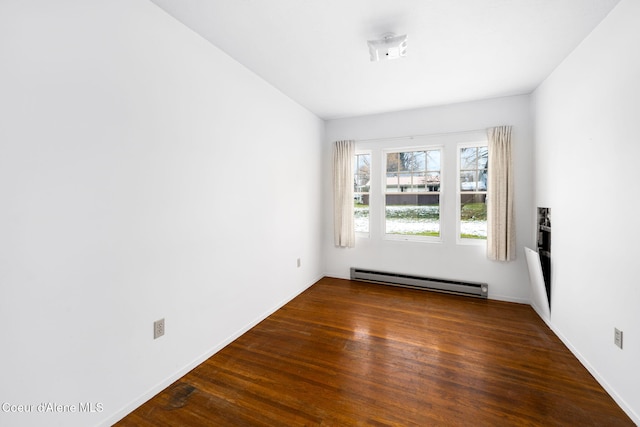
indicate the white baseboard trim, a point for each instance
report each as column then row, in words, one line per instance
column 200, row 359
column 619, row 400
column 506, row 298
column 491, row 297
column 197, row 361
column 634, row 417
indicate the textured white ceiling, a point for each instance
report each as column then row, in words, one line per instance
column 315, row 51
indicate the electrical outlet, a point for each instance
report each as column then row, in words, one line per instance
column 617, row 339
column 298, row 262
column 158, row 328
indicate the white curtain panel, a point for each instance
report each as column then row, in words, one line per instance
column 344, row 234
column 501, row 240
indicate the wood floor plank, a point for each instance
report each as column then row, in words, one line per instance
column 348, row 353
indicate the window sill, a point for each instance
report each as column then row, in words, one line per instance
column 410, row 238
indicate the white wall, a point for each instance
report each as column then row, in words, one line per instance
column 587, row 153
column 507, row 281
column 143, row 175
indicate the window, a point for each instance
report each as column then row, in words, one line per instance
column 433, row 190
column 472, row 191
column 412, row 193
column 361, row 186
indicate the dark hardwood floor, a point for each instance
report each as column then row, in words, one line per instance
column 347, row 353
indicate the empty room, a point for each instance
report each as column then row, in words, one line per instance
column 296, row 212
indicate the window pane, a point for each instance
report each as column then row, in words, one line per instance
column 468, row 180
column 363, row 171
column 409, row 208
column 361, row 213
column 363, row 164
column 362, row 174
column 406, row 161
column 419, row 161
column 483, row 157
column 361, row 185
column 392, row 162
column 433, row 160
column 412, row 214
column 473, row 216
column 392, row 182
column 404, row 181
column 482, row 180
column 419, row 181
column 433, row 181
column 472, row 197
column 468, row 158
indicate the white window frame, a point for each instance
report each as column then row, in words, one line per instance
column 383, row 193
column 461, row 240
column 371, row 171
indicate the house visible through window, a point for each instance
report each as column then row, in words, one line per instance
column 434, row 190
column 361, row 186
column 412, row 193
column 472, row 191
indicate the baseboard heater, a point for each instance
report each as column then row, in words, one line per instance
column 480, row 290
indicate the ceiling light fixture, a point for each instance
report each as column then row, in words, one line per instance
column 389, row 46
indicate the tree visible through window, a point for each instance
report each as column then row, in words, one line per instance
column 473, row 192
column 412, row 193
column 361, row 186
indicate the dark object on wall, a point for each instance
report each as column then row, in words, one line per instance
column 544, row 247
